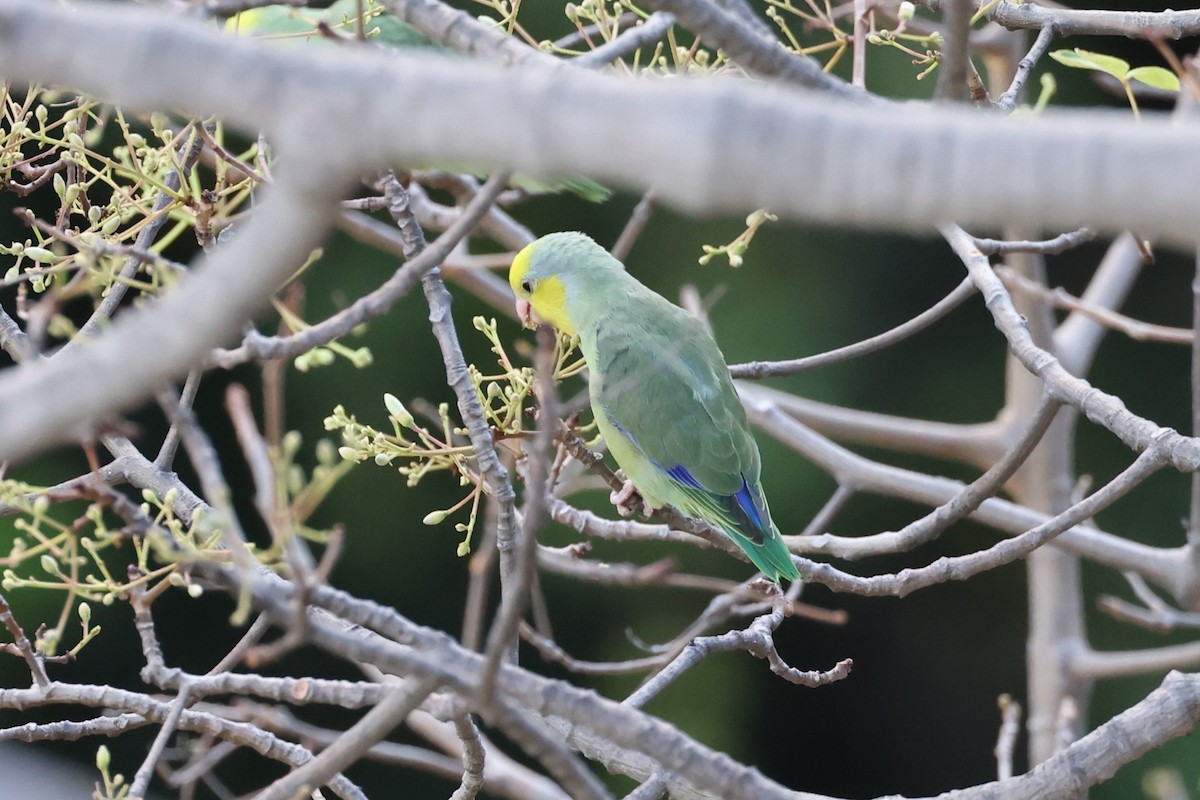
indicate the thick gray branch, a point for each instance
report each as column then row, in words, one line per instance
column 880, row 165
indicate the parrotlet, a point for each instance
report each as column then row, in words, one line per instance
column 660, row 391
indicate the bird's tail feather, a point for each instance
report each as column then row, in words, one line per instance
column 770, row 555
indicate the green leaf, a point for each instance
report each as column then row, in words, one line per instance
column 1158, row 77
column 1085, row 59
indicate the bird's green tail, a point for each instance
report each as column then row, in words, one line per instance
column 771, row 557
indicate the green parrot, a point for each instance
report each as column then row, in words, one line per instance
column 660, row 390
column 288, row 25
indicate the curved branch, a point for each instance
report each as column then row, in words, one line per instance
column 979, row 444
column 770, row 369
column 1100, row 407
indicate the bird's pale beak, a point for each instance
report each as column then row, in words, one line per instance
column 525, row 313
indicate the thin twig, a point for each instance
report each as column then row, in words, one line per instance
column 141, row 779
column 833, row 506
column 1008, row 101
column 358, row 738
column 755, row 50
column 1135, row 329
column 459, row 379
column 634, row 227
column 551, row 651
column 36, row 669
column 1006, row 741
column 1059, row 244
column 166, row 453
column 928, row 527
column 1107, row 411
column 502, row 638
column 753, row 370
column 628, row 41
column 757, row 640
column 473, row 755
column 1193, row 528
column 185, row 158
column 373, row 304
column 652, row 788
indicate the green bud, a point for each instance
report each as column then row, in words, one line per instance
column 149, row 496
column 434, row 518
column 348, row 453
column 103, row 758
column 175, row 579
column 295, row 479
column 40, row 254
column 464, row 548
column 194, row 590
column 383, row 459
column 49, row 564
column 401, row 414
column 110, row 225
column 362, row 357
column 94, row 213
column 59, row 183
column 906, row 12
column 85, row 613
column 291, row 443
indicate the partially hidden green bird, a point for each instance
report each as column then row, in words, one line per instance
column 661, row 393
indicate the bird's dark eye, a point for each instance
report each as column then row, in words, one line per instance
column 527, row 286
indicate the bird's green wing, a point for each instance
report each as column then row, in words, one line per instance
column 661, row 381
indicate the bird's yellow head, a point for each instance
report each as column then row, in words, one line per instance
column 541, row 295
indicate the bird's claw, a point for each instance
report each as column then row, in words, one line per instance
column 627, row 500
